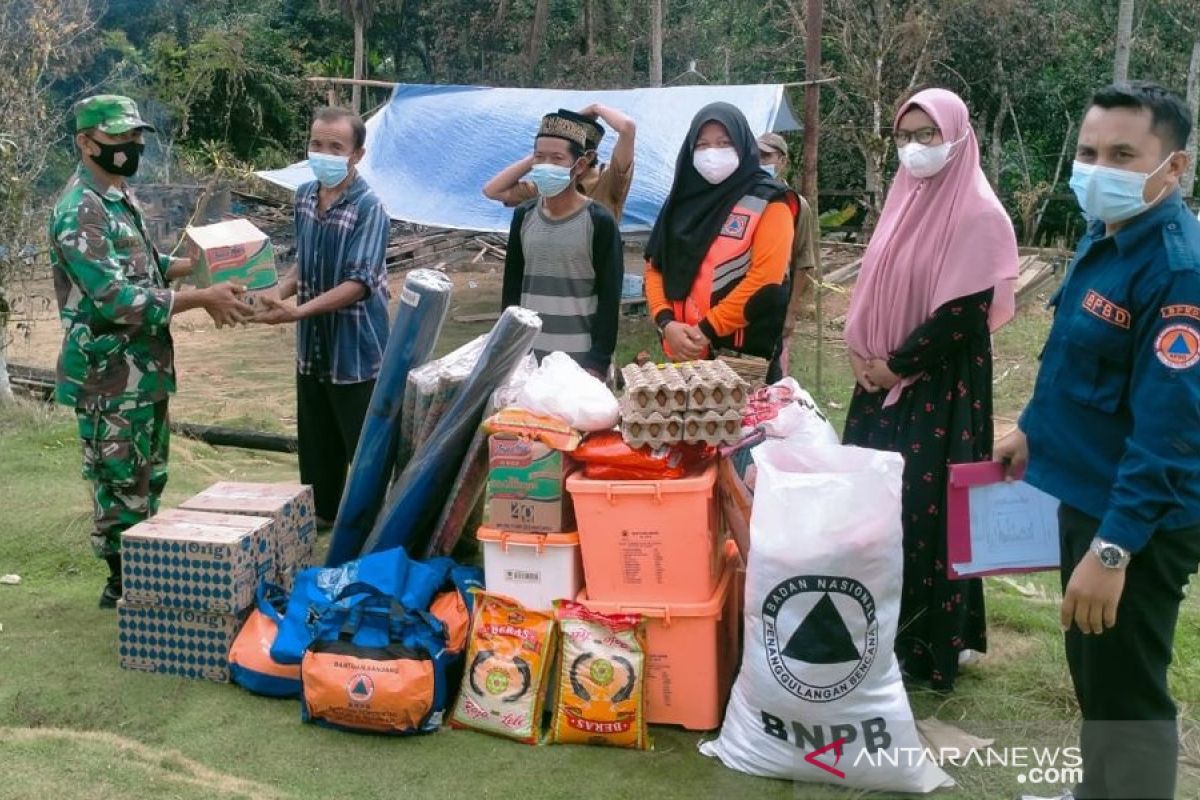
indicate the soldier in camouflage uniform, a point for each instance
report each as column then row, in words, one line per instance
column 117, row 368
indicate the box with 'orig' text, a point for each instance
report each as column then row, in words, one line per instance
column 289, row 505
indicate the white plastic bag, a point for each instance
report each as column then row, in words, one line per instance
column 819, row 697
column 784, row 410
column 562, row 389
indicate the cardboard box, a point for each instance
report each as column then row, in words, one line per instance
column 264, row 535
column 200, row 564
column 234, row 250
column 290, row 505
column 526, row 488
column 173, row 641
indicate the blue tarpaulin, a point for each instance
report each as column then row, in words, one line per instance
column 431, row 148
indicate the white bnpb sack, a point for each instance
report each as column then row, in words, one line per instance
column 819, row 697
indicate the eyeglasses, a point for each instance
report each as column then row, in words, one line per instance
column 920, row 135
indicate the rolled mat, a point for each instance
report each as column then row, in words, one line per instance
column 418, row 496
column 424, row 303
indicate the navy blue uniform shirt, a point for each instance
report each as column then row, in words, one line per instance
column 1114, row 423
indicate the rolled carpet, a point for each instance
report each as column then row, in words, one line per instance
column 416, row 499
column 424, row 303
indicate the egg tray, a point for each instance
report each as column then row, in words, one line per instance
column 655, row 429
column 690, row 386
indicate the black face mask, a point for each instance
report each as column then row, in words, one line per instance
column 107, row 160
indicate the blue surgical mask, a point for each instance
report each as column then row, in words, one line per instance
column 330, row 170
column 1110, row 195
column 770, row 169
column 550, row 179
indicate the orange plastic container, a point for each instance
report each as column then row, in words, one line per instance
column 692, row 651
column 652, row 541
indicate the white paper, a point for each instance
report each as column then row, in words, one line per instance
column 1013, row 526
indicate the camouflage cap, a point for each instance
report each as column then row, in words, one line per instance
column 769, row 142
column 111, row 113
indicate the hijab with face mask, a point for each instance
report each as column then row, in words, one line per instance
column 941, row 236
column 695, row 209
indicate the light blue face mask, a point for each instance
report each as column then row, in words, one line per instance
column 770, row 169
column 550, row 179
column 1111, row 195
column 330, row 170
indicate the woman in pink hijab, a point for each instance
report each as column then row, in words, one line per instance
column 938, row 277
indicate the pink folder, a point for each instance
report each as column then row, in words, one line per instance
column 964, row 477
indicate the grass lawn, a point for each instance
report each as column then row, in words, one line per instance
column 73, row 725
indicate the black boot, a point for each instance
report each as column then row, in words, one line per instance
column 112, row 589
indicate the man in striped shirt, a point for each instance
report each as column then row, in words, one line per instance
column 341, row 311
column 564, row 257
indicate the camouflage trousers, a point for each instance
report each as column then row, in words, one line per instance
column 125, row 458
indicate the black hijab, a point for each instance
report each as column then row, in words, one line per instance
column 695, row 209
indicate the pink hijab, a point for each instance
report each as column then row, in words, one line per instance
column 938, row 239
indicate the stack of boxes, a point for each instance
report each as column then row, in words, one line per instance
column 288, row 505
column 530, row 544
column 189, row 574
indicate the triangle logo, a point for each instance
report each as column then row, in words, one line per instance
column 822, row 637
column 1179, row 347
column 360, row 689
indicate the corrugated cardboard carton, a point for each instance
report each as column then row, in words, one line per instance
column 234, row 250
column 201, row 564
column 526, row 486
column 290, row 505
column 172, row 641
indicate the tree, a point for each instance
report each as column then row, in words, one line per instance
column 656, row 42
column 882, row 50
column 1124, row 41
column 1193, row 100
column 40, row 43
column 537, row 36
column 361, row 13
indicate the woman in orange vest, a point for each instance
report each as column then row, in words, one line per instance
column 717, row 260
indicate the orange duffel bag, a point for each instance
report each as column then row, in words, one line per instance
column 250, row 662
column 385, row 672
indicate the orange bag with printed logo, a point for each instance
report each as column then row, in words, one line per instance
column 601, row 681
column 508, row 662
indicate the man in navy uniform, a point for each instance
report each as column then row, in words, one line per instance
column 1113, row 431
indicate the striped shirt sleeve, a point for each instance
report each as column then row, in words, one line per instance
column 367, row 250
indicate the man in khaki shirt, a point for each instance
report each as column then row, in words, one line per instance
column 773, row 155
column 607, row 184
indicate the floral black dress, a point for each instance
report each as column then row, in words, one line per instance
column 943, row 418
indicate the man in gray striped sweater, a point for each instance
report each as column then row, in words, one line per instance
column 564, row 253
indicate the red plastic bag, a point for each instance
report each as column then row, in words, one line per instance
column 606, row 456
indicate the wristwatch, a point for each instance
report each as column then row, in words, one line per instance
column 1112, row 556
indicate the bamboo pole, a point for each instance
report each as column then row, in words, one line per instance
column 812, row 133
column 353, row 82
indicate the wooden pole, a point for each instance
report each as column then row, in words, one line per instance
column 812, row 136
column 353, row 82
column 656, row 42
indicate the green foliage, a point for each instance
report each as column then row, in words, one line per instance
column 836, row 217
column 239, row 82
column 233, row 72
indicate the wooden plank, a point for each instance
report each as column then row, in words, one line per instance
column 490, row 316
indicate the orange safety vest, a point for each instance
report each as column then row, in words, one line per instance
column 724, row 266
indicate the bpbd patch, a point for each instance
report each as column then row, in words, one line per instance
column 1178, row 346
column 736, row 225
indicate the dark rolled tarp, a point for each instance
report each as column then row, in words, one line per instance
column 424, row 303
column 416, row 499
